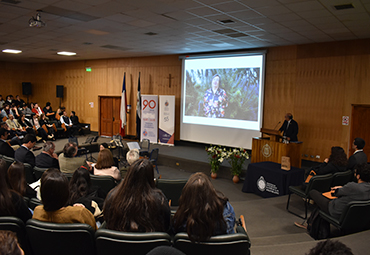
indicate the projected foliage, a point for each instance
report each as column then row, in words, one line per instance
column 241, row 86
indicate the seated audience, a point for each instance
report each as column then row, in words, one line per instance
column 68, row 123
column 37, row 110
column 207, row 214
column 40, row 131
column 26, row 125
column 9, row 99
column 48, row 158
column 13, row 138
column 5, row 111
column 18, row 101
column 105, row 165
column 5, row 148
column 14, row 125
column 48, row 125
column 135, row 205
column 48, row 111
column 17, row 180
column 15, row 112
column 359, row 156
column 26, row 111
column 9, row 243
column 23, row 154
column 54, row 196
column 68, row 161
column 2, row 101
column 76, row 123
column 11, row 203
column 81, row 191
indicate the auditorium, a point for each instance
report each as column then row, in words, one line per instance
column 304, row 60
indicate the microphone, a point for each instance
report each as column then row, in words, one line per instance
column 277, row 125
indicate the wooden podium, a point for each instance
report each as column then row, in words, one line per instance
column 272, row 150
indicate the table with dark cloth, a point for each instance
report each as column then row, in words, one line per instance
column 267, row 179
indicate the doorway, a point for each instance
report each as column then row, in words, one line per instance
column 109, row 112
column 360, row 126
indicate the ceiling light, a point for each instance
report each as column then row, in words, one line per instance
column 12, row 51
column 66, row 53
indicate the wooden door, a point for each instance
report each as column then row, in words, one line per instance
column 109, row 112
column 360, row 126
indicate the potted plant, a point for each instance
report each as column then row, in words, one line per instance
column 236, row 158
column 216, row 157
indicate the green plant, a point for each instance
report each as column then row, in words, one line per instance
column 236, row 158
column 217, row 154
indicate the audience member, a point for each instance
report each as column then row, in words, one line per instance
column 14, row 139
column 68, row 161
column 44, row 121
column 359, row 156
column 49, row 111
column 68, row 123
column 17, row 180
column 330, row 247
column 207, row 214
column 40, row 131
column 105, row 165
column 6, row 111
column 14, row 124
column 2, row 101
column 54, row 196
column 11, row 203
column 37, row 110
column 9, row 243
column 105, row 146
column 5, row 148
column 18, row 102
column 132, row 156
column 76, row 123
column 9, row 99
column 26, row 111
column 135, row 205
column 48, row 158
column 15, row 111
column 23, row 154
column 26, row 125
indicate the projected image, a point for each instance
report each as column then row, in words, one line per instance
column 230, row 93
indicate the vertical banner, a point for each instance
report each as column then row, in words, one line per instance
column 166, row 131
column 149, row 118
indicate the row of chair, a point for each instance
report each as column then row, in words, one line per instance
column 321, row 183
column 39, row 238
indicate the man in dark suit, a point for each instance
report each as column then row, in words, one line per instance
column 359, row 156
column 48, row 158
column 24, row 154
column 290, row 128
column 5, row 148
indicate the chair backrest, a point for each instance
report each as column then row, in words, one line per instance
column 60, row 239
column 38, row 172
column 28, row 173
column 341, row 178
column 34, row 202
column 355, row 217
column 145, row 144
column 236, row 244
column 105, row 182
column 320, row 183
column 116, row 242
column 17, row 226
column 154, row 154
column 172, row 189
column 8, row 160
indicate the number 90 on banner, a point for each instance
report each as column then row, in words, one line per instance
column 152, row 104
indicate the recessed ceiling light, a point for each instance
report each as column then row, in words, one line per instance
column 12, row 51
column 66, row 53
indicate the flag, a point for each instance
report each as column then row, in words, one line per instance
column 138, row 110
column 123, row 107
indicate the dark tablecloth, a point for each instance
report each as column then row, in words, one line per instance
column 267, row 179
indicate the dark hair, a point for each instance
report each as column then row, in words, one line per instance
column 105, row 159
column 29, row 138
column 359, row 142
column 364, row 171
column 48, row 103
column 202, row 212
column 338, row 157
column 6, row 203
column 17, row 180
column 3, row 131
column 330, row 247
column 9, row 243
column 219, row 78
column 105, row 145
column 69, row 150
column 54, row 190
column 133, row 205
column 74, row 113
column 79, row 184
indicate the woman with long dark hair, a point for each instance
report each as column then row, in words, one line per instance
column 337, row 162
column 135, row 205
column 17, row 180
column 11, row 203
column 203, row 212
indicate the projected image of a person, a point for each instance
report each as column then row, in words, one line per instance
column 215, row 99
column 290, row 128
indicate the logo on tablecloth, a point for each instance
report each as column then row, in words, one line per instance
column 261, row 184
column 266, row 151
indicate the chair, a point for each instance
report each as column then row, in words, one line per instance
column 105, row 182
column 17, row 226
column 81, row 150
column 320, row 183
column 117, row 242
column 355, row 217
column 33, row 203
column 60, row 238
column 171, row 189
column 341, row 178
column 8, row 161
column 38, row 172
column 236, row 244
column 145, row 145
column 154, row 157
column 29, row 174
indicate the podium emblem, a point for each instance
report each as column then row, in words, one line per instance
column 266, row 151
column 261, row 184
